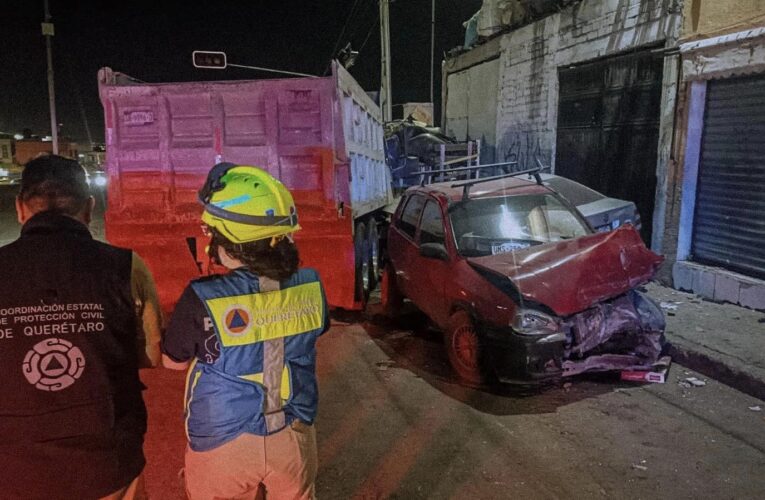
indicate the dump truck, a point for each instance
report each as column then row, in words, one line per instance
column 322, row 137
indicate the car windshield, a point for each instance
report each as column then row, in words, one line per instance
column 489, row 226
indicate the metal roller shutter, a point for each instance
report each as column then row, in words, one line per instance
column 729, row 224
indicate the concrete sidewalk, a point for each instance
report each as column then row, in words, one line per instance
column 722, row 341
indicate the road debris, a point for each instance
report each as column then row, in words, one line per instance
column 639, row 467
column 657, row 374
column 384, row 365
column 669, row 306
column 755, row 408
column 695, row 382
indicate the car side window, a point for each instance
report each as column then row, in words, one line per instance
column 431, row 224
column 411, row 215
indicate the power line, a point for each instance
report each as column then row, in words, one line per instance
column 340, row 36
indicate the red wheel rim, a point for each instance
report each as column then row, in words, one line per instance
column 465, row 346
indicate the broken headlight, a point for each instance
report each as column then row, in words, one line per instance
column 533, row 322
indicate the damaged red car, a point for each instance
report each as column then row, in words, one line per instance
column 523, row 288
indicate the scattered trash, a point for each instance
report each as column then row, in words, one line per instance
column 567, row 386
column 755, row 408
column 669, row 306
column 657, row 374
column 639, row 467
column 684, row 384
column 699, row 329
column 695, row 382
column 384, row 365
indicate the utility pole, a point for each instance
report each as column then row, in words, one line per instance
column 432, row 40
column 385, row 88
column 47, row 31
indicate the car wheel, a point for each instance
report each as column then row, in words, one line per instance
column 373, row 242
column 391, row 298
column 463, row 347
column 361, row 251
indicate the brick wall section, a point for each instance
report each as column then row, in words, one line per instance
column 530, row 58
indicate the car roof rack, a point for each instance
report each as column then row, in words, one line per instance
column 428, row 174
column 466, row 185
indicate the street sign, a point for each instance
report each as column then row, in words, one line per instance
column 208, row 59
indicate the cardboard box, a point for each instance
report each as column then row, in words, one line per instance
column 656, row 374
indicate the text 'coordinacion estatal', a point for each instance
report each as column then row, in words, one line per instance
column 51, row 319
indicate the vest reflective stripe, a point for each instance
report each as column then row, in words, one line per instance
column 192, row 377
column 273, row 367
column 253, row 318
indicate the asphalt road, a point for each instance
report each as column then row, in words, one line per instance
column 393, row 423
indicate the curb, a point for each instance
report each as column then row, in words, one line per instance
column 716, row 369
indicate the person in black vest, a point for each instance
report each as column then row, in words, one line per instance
column 77, row 319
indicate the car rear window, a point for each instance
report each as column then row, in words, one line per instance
column 489, row 226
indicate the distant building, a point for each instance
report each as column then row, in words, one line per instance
column 28, row 149
column 93, row 159
column 6, row 148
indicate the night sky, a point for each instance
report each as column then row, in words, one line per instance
column 153, row 41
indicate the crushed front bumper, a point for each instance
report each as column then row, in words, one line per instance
column 626, row 332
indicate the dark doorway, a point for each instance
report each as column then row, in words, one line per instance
column 608, row 128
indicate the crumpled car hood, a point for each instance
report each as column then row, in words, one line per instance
column 572, row 275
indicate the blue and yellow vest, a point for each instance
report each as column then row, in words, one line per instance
column 264, row 377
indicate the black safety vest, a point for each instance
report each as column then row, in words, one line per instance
column 72, row 417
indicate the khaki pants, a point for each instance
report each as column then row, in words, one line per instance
column 136, row 490
column 285, row 463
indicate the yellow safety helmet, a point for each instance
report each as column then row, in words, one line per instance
column 247, row 203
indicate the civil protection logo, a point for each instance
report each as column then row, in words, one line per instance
column 237, row 320
column 53, row 364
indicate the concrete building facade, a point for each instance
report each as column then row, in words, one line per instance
column 715, row 238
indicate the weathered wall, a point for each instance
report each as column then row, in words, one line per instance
column 704, row 18
column 530, row 58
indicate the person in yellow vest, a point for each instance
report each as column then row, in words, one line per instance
column 247, row 339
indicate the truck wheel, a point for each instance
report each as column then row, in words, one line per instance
column 463, row 347
column 361, row 251
column 373, row 239
column 391, row 298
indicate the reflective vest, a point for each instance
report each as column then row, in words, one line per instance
column 264, row 377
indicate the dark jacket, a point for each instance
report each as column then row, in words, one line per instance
column 72, row 418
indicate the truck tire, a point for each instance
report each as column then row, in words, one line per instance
column 463, row 348
column 391, row 298
column 373, row 241
column 361, row 251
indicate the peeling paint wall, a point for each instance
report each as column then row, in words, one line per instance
column 705, row 18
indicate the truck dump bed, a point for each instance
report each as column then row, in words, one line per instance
column 321, row 136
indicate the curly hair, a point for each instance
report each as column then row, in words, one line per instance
column 277, row 262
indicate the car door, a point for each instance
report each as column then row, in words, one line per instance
column 427, row 286
column 402, row 249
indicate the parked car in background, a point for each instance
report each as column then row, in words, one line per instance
column 603, row 213
column 522, row 287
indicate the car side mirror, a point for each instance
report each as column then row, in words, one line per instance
column 434, row 251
